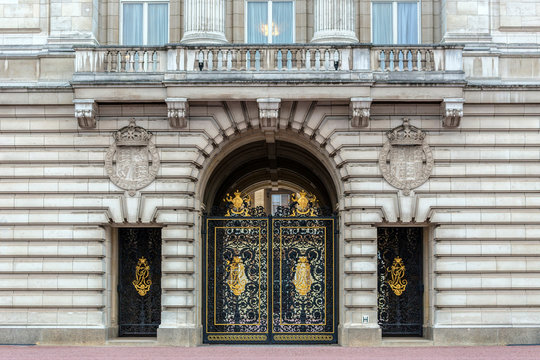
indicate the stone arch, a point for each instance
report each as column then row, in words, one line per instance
column 289, row 158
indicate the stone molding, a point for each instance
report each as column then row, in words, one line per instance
column 126, row 161
column 361, row 110
column 269, row 113
column 86, row 112
column 452, row 112
column 406, row 160
column 177, row 112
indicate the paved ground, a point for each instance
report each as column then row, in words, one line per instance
column 269, row 352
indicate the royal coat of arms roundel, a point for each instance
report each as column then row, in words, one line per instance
column 406, row 160
column 132, row 161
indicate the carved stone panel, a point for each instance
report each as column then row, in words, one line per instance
column 406, row 160
column 132, row 161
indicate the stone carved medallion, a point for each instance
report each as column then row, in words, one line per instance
column 406, row 160
column 132, row 161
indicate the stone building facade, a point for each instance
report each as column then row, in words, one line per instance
column 439, row 135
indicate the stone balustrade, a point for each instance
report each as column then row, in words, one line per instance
column 269, row 58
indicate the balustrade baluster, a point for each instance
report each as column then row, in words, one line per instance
column 416, row 63
column 298, row 60
column 326, row 60
column 391, row 54
column 307, row 62
column 108, row 61
column 317, row 60
column 248, row 60
column 279, row 59
column 257, row 60
column 382, row 60
column 139, row 61
column 336, row 59
column 210, row 60
column 239, row 54
column 430, row 65
column 289, row 60
column 219, row 65
column 229, row 60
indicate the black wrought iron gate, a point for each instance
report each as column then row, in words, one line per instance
column 139, row 281
column 400, row 281
column 269, row 279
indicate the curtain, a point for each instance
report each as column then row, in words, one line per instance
column 257, row 22
column 407, row 23
column 282, row 19
column 158, row 24
column 132, row 25
column 382, row 23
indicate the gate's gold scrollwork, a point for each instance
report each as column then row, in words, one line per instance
column 237, row 275
column 142, row 273
column 240, row 205
column 397, row 273
column 302, row 277
column 305, row 204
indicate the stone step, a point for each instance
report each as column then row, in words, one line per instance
column 132, row 341
column 406, row 341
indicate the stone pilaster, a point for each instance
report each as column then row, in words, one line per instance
column 204, row 22
column 334, row 21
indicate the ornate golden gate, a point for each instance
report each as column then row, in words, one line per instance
column 270, row 279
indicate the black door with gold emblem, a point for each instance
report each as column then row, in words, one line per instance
column 400, row 287
column 139, row 282
column 269, row 279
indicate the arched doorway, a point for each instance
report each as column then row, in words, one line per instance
column 270, row 274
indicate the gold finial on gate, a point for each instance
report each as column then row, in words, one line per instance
column 240, row 205
column 305, row 204
column 397, row 273
column 142, row 273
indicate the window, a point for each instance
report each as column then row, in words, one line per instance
column 270, row 22
column 145, row 23
column 394, row 22
column 279, row 200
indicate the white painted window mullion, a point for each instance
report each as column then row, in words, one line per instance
column 395, row 22
column 270, row 27
column 145, row 23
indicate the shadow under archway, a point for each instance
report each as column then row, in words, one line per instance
column 274, row 164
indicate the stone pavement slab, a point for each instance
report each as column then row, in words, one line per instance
column 269, row 352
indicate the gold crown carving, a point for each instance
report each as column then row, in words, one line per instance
column 132, row 135
column 406, row 134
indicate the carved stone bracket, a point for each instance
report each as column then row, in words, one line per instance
column 177, row 112
column 452, row 112
column 269, row 113
column 86, row 112
column 360, row 107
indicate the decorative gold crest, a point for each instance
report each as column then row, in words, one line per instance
column 305, row 204
column 142, row 273
column 240, row 204
column 237, row 275
column 302, row 277
column 397, row 281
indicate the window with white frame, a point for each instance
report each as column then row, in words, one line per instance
column 395, row 22
column 270, row 22
column 279, row 200
column 145, row 23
